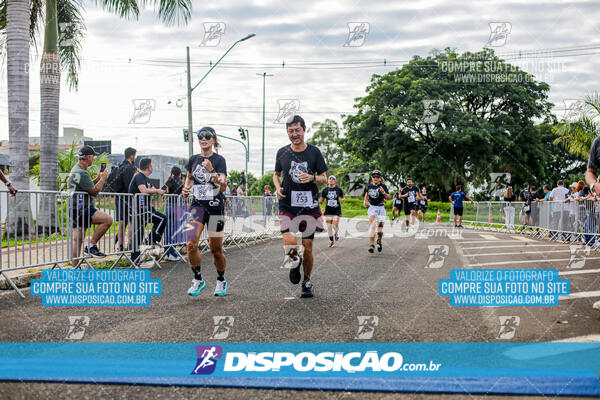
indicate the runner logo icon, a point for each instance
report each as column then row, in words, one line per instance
column 207, row 359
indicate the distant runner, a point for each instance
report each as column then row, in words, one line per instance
column 377, row 194
column 397, row 205
column 456, row 199
column 411, row 196
column 333, row 196
column 423, row 204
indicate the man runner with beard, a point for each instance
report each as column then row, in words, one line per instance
column 299, row 167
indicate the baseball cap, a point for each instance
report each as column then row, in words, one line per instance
column 87, row 151
column 376, row 173
column 332, row 176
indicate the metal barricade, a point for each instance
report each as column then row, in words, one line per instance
column 58, row 229
column 567, row 221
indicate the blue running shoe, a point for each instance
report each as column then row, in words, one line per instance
column 197, row 287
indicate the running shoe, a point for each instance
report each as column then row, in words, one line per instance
column 371, row 249
column 331, row 243
column 460, row 226
column 171, row 257
column 197, row 287
column 379, row 247
column 221, row 289
column 307, row 288
column 596, row 305
column 393, row 218
column 336, row 237
column 295, row 271
column 93, row 251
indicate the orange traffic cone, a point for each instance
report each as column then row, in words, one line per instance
column 490, row 218
column 438, row 220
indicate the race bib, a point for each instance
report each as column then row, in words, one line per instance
column 332, row 203
column 302, row 198
column 411, row 197
column 203, row 192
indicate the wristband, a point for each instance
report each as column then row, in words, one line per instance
column 7, row 183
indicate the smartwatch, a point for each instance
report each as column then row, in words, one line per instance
column 7, row 183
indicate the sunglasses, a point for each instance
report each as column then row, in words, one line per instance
column 206, row 135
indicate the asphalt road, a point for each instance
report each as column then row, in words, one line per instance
column 397, row 286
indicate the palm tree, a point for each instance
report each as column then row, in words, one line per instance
column 577, row 135
column 16, row 22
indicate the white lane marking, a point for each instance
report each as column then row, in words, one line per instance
column 488, row 237
column 289, row 298
column 519, row 253
column 526, row 262
column 580, row 271
column 585, row 338
column 491, row 241
column 523, row 238
column 581, row 295
column 513, row 245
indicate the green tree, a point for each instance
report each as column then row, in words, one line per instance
column 577, row 131
column 326, row 136
column 236, row 177
column 258, row 187
column 440, row 127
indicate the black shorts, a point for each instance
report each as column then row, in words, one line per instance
column 122, row 209
column 423, row 208
column 408, row 207
column 213, row 219
column 82, row 217
column 398, row 205
column 333, row 212
column 458, row 211
column 308, row 224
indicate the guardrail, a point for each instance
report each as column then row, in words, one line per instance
column 568, row 221
column 51, row 229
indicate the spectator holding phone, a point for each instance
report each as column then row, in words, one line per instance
column 83, row 211
column 13, row 191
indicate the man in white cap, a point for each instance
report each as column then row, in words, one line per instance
column 333, row 197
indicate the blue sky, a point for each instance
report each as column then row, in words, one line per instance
column 129, row 60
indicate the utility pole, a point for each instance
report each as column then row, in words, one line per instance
column 262, row 163
column 189, row 96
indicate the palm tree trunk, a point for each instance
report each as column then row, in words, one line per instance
column 50, row 97
column 17, row 38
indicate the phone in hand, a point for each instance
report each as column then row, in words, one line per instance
column 102, row 167
column 164, row 187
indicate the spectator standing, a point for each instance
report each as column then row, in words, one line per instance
column 559, row 215
column 508, row 210
column 119, row 183
column 525, row 197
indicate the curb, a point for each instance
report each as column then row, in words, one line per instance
column 21, row 281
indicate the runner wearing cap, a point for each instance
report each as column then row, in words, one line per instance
column 456, row 199
column 377, row 194
column 84, row 213
column 299, row 167
column 206, row 181
column 333, row 196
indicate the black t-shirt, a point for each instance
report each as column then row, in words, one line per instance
column 332, row 197
column 127, row 171
column 525, row 195
column 412, row 194
column 376, row 198
column 139, row 179
column 594, row 160
column 425, row 198
column 205, row 192
column 175, row 185
column 397, row 199
column 299, row 197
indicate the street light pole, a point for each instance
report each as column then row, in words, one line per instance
column 191, row 89
column 262, row 164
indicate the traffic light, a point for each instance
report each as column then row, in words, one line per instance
column 243, row 177
column 185, row 135
column 242, row 133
